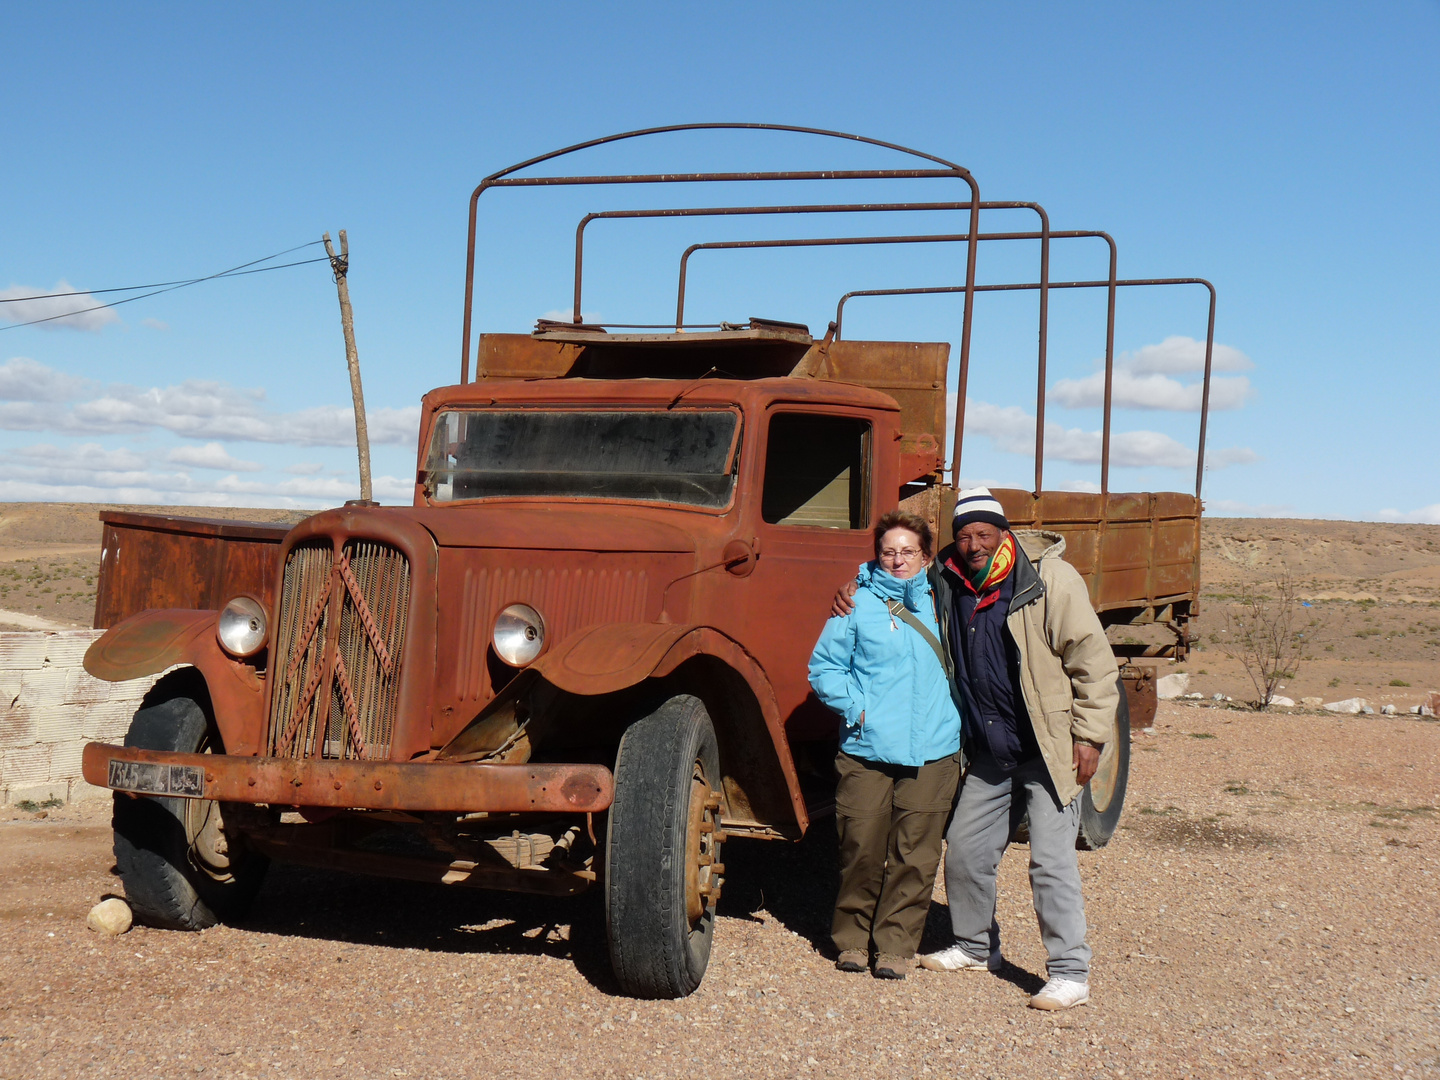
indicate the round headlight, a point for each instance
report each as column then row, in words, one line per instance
column 519, row 635
column 243, row 627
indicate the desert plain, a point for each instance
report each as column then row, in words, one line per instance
column 1268, row 907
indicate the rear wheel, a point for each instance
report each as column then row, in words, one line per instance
column 181, row 869
column 1104, row 796
column 662, row 851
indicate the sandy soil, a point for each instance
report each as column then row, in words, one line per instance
column 1267, row 909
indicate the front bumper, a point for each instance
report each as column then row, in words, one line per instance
column 368, row 785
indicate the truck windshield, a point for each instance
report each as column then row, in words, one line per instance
column 681, row 456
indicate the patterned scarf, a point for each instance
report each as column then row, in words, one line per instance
column 1001, row 562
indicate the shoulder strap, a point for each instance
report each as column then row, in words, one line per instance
column 901, row 612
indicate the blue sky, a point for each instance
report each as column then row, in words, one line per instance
column 1289, row 153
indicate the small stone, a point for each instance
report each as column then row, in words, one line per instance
column 1351, row 705
column 1218, row 697
column 1283, row 701
column 1388, row 710
column 1169, row 687
column 111, row 917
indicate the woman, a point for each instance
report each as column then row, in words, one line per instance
column 882, row 668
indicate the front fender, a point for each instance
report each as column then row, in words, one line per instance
column 153, row 641
column 609, row 657
column 614, row 656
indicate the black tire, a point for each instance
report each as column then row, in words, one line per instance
column 1104, row 796
column 180, row 869
column 662, row 847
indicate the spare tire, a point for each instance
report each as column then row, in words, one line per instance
column 1104, row 796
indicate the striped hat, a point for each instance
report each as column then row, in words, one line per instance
column 977, row 504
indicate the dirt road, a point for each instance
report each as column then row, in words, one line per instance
column 1268, row 909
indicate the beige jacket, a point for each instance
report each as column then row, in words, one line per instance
column 1067, row 671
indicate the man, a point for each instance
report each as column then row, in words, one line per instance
column 1041, row 689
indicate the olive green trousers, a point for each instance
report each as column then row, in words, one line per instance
column 891, row 820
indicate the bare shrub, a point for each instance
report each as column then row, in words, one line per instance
column 1262, row 634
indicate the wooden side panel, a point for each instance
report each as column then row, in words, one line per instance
column 150, row 561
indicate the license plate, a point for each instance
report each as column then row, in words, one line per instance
column 152, row 778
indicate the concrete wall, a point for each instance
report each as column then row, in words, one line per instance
column 50, row 709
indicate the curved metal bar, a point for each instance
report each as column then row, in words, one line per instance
column 503, row 177
column 1111, row 284
column 1043, row 235
column 1044, row 286
column 737, row 211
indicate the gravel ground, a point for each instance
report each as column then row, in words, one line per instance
column 1267, row 909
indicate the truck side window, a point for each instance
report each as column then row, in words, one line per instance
column 816, row 472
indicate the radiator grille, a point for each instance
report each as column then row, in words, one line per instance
column 337, row 687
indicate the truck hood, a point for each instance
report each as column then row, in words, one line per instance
column 558, row 527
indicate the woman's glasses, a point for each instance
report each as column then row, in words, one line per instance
column 899, row 554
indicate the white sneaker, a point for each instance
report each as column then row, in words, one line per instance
column 1061, row 994
column 955, row 958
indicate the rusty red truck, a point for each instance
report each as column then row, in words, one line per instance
column 579, row 657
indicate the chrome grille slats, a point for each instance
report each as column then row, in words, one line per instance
column 353, row 714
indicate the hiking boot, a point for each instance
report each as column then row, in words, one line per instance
column 892, row 967
column 957, row 959
column 1061, row 994
column 852, row 960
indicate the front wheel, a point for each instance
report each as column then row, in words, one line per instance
column 662, row 851
column 181, row 869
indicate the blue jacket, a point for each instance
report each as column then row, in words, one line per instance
column 868, row 662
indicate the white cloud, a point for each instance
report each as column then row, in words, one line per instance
column 72, row 309
column 1177, row 354
column 23, row 379
column 1012, row 430
column 1130, row 390
column 1142, row 379
column 43, row 483
column 195, row 409
column 87, row 456
column 1089, row 487
column 305, row 468
column 210, row 456
column 1426, row 515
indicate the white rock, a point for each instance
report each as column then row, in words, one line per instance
column 1283, row 701
column 1192, row 697
column 110, row 917
column 1388, row 710
column 1368, row 711
column 1218, row 697
column 1169, row 687
column 1351, row 705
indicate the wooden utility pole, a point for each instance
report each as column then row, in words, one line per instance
column 341, row 265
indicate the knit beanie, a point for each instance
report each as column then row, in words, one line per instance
column 977, row 504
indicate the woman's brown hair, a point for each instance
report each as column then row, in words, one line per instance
column 899, row 519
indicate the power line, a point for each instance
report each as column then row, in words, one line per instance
column 158, row 287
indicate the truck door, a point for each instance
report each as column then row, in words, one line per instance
column 817, row 507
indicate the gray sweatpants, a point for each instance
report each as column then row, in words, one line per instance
column 978, row 835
